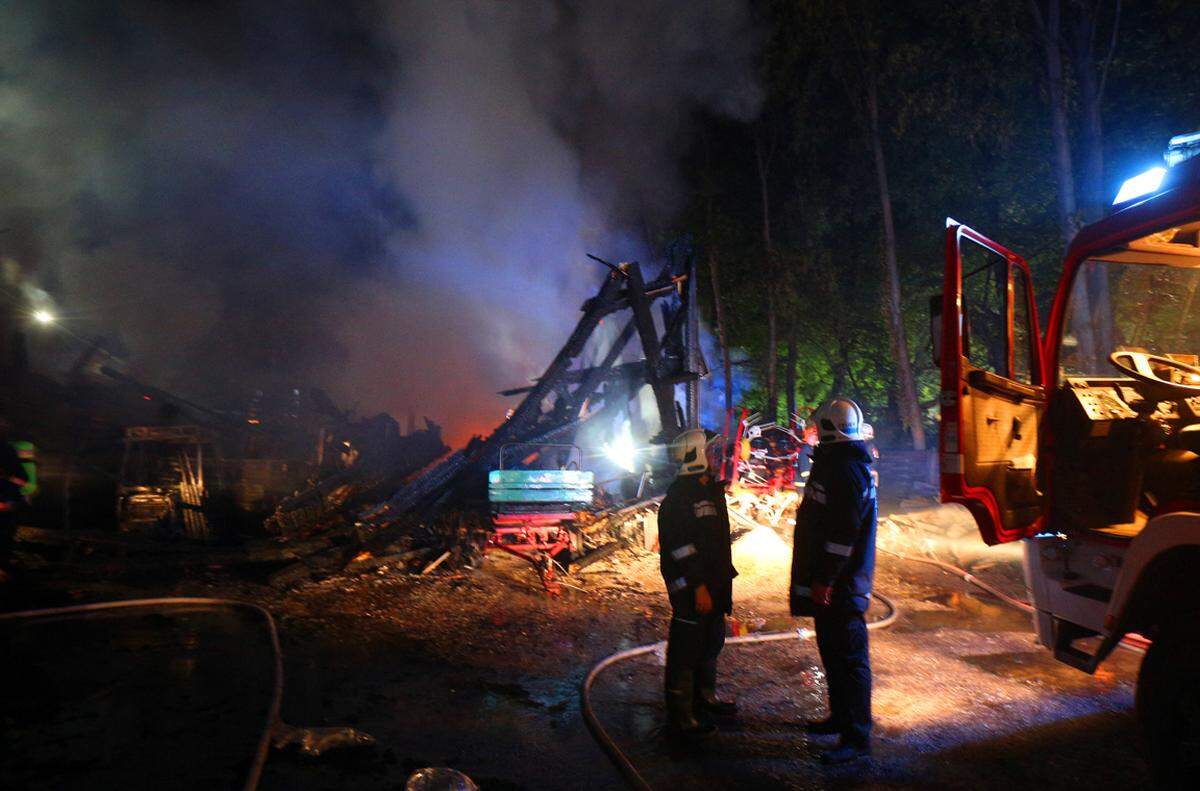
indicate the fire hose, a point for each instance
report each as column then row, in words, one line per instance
column 606, row 742
column 626, row 767
column 264, row 742
column 1129, row 642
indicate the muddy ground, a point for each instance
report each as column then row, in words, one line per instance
column 480, row 671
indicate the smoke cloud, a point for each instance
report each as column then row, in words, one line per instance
column 388, row 200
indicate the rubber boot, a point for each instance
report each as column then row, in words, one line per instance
column 681, row 714
column 846, row 751
column 706, row 693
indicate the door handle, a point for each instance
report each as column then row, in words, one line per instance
column 1016, row 428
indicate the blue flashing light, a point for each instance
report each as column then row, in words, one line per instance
column 1141, row 184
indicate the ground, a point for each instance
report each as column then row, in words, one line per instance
column 481, row 671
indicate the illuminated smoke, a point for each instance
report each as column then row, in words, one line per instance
column 390, row 200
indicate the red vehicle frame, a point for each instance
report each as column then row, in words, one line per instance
column 535, row 538
column 1177, row 204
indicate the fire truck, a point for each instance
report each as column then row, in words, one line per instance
column 1082, row 439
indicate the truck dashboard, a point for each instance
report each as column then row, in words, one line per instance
column 1121, row 453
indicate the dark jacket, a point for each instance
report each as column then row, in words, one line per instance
column 834, row 541
column 693, row 540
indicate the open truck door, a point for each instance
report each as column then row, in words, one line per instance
column 993, row 388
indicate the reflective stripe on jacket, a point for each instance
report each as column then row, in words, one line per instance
column 693, row 542
column 834, row 540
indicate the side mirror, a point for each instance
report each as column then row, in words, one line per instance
column 935, row 328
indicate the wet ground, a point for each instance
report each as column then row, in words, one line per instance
column 481, row 672
column 133, row 699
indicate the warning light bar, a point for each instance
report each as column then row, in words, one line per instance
column 1141, row 184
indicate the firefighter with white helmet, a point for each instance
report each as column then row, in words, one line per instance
column 697, row 567
column 833, row 565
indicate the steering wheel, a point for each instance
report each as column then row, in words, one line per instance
column 1137, row 365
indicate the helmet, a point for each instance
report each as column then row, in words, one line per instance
column 688, row 451
column 839, row 420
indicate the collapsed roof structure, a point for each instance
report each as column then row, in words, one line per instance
column 572, row 392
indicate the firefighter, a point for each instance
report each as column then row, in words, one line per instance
column 13, row 479
column 833, row 563
column 693, row 535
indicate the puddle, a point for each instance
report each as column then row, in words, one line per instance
column 1038, row 668
column 514, row 692
column 130, row 698
column 959, row 610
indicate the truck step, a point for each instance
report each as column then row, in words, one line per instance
column 1066, row 633
column 1095, row 592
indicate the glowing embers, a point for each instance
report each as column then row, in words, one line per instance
column 762, row 543
column 763, row 505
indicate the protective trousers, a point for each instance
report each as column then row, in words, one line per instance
column 842, row 642
column 693, row 644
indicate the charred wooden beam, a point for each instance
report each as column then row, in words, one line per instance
column 643, row 319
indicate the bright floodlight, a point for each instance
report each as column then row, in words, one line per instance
column 43, row 316
column 621, row 451
column 1140, row 185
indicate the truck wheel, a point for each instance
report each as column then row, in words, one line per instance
column 1168, row 705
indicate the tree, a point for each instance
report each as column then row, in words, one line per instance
column 771, row 358
column 861, row 74
column 718, row 305
column 1047, row 25
column 1091, row 72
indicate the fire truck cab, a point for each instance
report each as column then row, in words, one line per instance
column 1083, row 440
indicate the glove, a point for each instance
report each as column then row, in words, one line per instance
column 822, row 594
column 704, row 602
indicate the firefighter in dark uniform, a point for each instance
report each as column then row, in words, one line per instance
column 833, row 563
column 693, row 535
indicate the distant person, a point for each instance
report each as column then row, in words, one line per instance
column 833, row 565
column 13, row 479
column 697, row 566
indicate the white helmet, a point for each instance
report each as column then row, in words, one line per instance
column 839, row 420
column 688, row 451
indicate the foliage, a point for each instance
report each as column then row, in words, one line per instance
column 966, row 136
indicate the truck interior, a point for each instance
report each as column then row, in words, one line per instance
column 1123, row 427
column 1116, row 424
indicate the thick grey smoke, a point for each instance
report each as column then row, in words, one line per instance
column 391, row 200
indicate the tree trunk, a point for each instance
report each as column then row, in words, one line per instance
column 1093, row 144
column 772, row 405
column 1049, row 31
column 910, row 408
column 715, row 282
column 1049, row 28
column 719, row 316
column 790, row 374
column 1092, row 77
